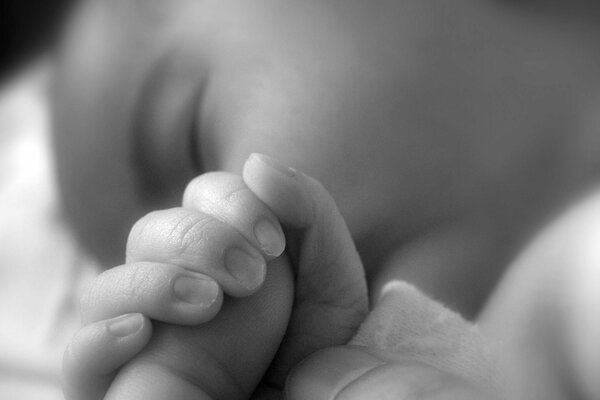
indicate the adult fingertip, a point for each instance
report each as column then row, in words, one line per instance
column 270, row 236
column 272, row 163
column 281, row 188
column 326, row 373
column 226, row 197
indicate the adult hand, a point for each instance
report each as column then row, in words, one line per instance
column 410, row 347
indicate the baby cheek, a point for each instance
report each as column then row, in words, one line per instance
column 111, row 169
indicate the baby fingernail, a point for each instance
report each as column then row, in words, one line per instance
column 192, row 290
column 125, row 325
column 269, row 237
column 273, row 163
column 249, row 270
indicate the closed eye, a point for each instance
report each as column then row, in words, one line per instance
column 165, row 136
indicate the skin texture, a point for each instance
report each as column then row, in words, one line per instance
column 256, row 339
column 443, row 132
column 545, row 309
column 543, row 314
column 226, row 357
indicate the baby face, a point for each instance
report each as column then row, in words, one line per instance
column 416, row 116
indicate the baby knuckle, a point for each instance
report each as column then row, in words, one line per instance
column 167, row 231
column 191, row 232
column 239, row 195
column 201, row 181
column 208, row 190
column 193, row 187
column 135, row 277
column 142, row 226
column 137, row 282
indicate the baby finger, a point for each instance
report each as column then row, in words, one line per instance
column 98, row 350
column 164, row 292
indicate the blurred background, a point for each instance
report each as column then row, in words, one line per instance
column 41, row 269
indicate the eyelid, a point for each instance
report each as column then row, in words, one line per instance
column 195, row 134
column 165, row 136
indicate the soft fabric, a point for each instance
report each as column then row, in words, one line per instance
column 407, row 325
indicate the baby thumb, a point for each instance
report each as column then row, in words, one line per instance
column 330, row 289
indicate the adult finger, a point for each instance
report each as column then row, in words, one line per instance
column 331, row 295
column 351, row 373
column 226, row 197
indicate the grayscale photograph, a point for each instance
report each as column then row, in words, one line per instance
column 300, row 200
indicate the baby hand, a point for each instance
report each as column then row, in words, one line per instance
column 228, row 356
column 222, row 230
